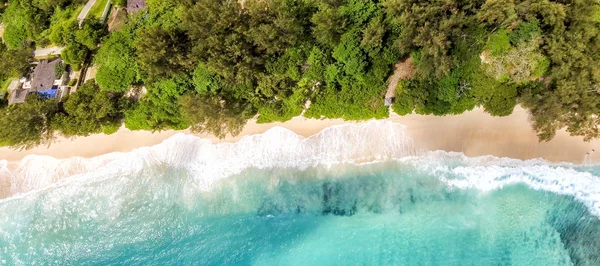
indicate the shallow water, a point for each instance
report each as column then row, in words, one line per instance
column 309, row 206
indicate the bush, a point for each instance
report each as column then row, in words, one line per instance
column 73, row 82
column 403, row 104
column 526, row 31
column 498, row 43
column 64, row 33
column 541, row 68
column 59, row 70
column 120, row 3
column 15, row 26
column 136, row 118
column 117, row 67
column 74, row 54
column 281, row 111
column 111, row 128
column 88, row 111
column 502, row 101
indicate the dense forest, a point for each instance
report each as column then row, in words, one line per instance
column 210, row 65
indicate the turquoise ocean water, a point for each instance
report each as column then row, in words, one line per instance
column 278, row 199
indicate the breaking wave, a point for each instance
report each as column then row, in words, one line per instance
column 207, row 163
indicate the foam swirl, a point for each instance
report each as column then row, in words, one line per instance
column 490, row 173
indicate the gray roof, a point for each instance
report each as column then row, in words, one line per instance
column 18, row 96
column 134, row 6
column 44, row 75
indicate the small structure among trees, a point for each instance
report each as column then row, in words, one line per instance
column 17, row 95
column 134, row 6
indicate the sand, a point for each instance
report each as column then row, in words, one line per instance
column 474, row 133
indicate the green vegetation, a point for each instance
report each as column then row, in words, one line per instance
column 85, row 112
column 29, row 124
column 538, row 53
column 89, row 111
column 97, row 9
column 213, row 64
column 5, row 83
column 59, row 70
column 118, row 68
column 120, row 3
column 13, row 64
column 29, row 21
column 498, row 43
column 80, row 41
column 73, row 82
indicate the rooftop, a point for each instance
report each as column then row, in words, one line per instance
column 18, row 96
column 44, row 75
column 133, row 6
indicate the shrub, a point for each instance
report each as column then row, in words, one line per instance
column 15, row 26
column 59, row 70
column 526, row 31
column 498, row 43
column 111, row 128
column 73, row 82
column 117, row 68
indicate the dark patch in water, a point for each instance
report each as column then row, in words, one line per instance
column 335, row 202
column 579, row 232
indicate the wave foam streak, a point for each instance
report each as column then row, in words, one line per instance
column 208, row 163
column 489, row 173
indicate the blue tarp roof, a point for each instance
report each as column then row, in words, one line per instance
column 51, row 94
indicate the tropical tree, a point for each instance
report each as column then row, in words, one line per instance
column 28, row 124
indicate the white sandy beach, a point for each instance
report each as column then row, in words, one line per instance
column 474, row 133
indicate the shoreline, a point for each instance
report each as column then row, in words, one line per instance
column 474, row 133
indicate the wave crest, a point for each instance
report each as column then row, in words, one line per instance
column 208, row 162
column 490, row 173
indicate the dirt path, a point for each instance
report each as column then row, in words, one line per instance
column 404, row 69
column 116, row 19
column 54, row 50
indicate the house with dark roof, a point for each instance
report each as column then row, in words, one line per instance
column 44, row 76
column 43, row 81
column 134, row 6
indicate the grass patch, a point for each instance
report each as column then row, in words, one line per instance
column 48, row 45
column 47, row 57
column 76, row 12
column 6, row 83
column 98, row 9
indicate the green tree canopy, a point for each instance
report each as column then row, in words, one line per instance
column 215, row 115
column 88, row 110
column 28, row 124
column 116, row 62
column 14, row 62
column 162, row 53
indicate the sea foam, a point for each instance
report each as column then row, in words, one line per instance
column 489, row 173
column 209, row 163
